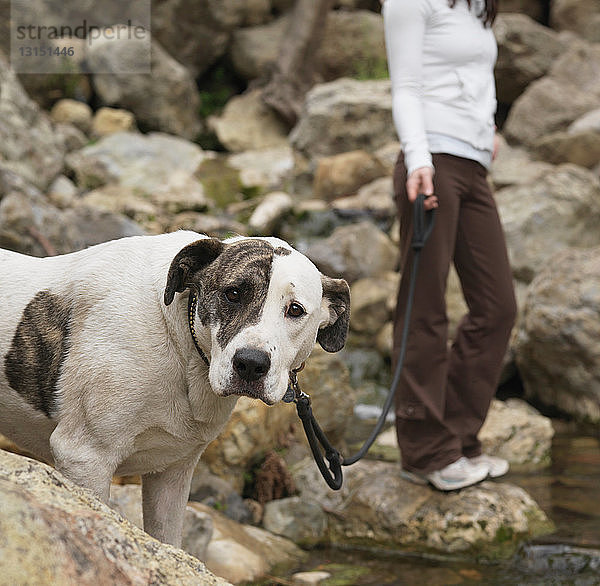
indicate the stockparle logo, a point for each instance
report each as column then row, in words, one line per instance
column 58, row 36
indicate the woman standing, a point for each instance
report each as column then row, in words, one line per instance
column 441, row 56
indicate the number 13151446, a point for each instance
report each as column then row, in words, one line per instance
column 47, row 51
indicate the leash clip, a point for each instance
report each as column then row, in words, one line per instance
column 294, row 392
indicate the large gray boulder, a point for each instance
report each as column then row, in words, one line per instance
column 155, row 165
column 560, row 210
column 148, row 178
column 246, row 123
column 345, row 115
column 547, row 105
column 378, row 507
column 526, row 52
column 239, row 553
column 553, row 102
column 355, row 251
column 54, row 532
column 28, row 145
column 163, row 97
column 517, row 432
column 96, row 225
column 558, row 344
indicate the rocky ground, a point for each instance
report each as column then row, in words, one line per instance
column 103, row 157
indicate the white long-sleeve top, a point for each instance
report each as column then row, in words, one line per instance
column 441, row 64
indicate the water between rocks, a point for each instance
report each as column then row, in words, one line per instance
column 569, row 493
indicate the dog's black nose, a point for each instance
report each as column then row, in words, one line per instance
column 251, row 364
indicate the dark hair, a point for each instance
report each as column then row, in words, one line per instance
column 487, row 15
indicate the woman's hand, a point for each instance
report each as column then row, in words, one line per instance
column 421, row 181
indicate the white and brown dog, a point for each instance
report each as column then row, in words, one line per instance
column 100, row 373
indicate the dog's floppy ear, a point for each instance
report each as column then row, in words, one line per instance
column 336, row 299
column 188, row 262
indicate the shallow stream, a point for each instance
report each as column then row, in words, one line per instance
column 569, row 493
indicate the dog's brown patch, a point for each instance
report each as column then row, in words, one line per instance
column 246, row 267
column 38, row 350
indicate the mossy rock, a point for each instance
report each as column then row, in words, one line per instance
column 221, row 182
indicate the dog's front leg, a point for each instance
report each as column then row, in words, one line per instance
column 164, row 496
column 82, row 460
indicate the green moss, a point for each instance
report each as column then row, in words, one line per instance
column 251, row 192
column 370, row 68
column 507, row 541
column 504, row 534
column 342, row 575
column 221, row 183
column 539, row 526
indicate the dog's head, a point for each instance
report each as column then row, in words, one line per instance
column 261, row 307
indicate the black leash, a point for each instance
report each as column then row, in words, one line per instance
column 422, row 226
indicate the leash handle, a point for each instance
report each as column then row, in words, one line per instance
column 422, row 222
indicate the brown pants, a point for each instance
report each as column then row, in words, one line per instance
column 445, row 394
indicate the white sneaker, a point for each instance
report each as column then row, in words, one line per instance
column 497, row 466
column 459, row 474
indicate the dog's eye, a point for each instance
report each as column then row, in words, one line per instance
column 295, row 310
column 233, row 295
